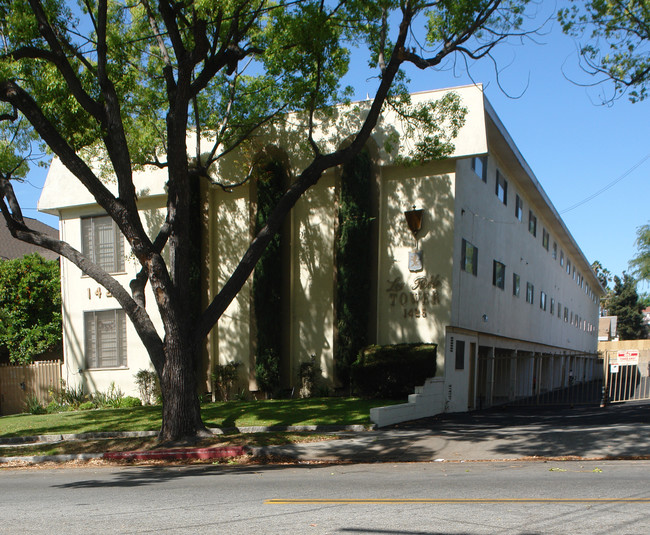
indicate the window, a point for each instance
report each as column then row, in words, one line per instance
column 542, row 300
column 562, row 258
column 532, row 223
column 479, row 166
column 566, row 314
column 559, row 310
column 460, row 354
column 498, row 274
column 554, row 250
column 515, row 284
column 552, row 310
column 568, row 266
column 103, row 243
column 519, row 208
column 469, row 260
column 545, row 238
column 530, row 293
column 502, row 188
column 105, row 339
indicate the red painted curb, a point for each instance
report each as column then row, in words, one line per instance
column 177, row 455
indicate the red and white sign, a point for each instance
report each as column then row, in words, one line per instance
column 629, row 357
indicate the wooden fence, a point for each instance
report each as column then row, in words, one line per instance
column 17, row 383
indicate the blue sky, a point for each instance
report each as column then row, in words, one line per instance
column 575, row 145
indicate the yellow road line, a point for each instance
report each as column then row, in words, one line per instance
column 352, row 501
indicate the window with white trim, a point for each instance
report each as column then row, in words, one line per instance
column 105, row 343
column 542, row 300
column 469, row 258
column 545, row 239
column 530, row 293
column 516, row 282
column 498, row 274
column 103, row 243
column 532, row 223
column 519, row 208
column 501, row 188
column 479, row 166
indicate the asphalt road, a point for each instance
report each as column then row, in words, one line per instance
column 501, row 497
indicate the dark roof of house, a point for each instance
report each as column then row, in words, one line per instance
column 11, row 248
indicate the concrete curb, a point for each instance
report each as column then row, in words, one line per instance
column 63, row 458
column 224, row 452
column 178, row 454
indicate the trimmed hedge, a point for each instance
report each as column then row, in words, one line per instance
column 353, row 253
column 267, row 281
column 393, row 371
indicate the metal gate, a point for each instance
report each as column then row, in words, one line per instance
column 627, row 375
column 506, row 377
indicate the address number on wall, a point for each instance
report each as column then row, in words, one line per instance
column 99, row 293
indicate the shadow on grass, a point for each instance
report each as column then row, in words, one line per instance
column 313, row 411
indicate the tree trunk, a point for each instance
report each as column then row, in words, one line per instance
column 181, row 417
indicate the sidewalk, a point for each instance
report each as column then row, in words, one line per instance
column 616, row 432
column 619, row 431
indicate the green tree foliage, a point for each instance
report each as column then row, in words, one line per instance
column 30, row 307
column 618, row 41
column 626, row 306
column 128, row 84
column 353, row 253
column 605, row 278
column 640, row 264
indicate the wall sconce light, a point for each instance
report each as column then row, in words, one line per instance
column 414, row 222
column 485, row 318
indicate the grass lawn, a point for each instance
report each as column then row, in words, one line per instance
column 311, row 411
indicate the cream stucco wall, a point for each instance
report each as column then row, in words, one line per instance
column 311, row 321
column 491, row 226
column 82, row 294
column 415, row 306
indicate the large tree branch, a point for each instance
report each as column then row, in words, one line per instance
column 307, row 178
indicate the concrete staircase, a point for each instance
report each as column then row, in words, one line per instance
column 427, row 400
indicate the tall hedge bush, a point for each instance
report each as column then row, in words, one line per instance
column 267, row 281
column 353, row 255
column 393, row 371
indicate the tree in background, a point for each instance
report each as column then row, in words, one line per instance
column 126, row 83
column 626, row 306
column 618, row 42
column 30, row 307
column 640, row 264
column 605, row 278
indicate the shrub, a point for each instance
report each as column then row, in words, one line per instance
column 149, row 386
column 224, row 377
column 86, row 406
column 111, row 398
column 34, row 405
column 393, row 371
column 128, row 402
column 308, row 374
column 30, row 307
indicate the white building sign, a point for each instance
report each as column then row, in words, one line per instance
column 629, row 357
